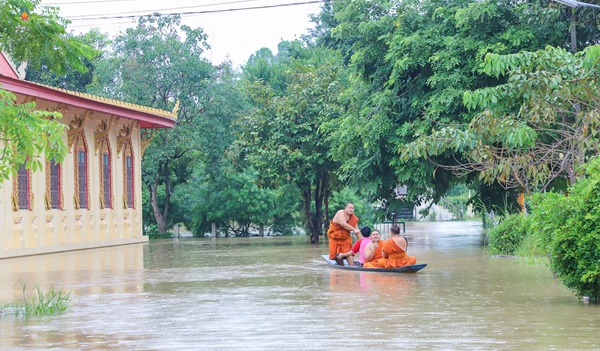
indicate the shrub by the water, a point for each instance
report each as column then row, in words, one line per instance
column 575, row 242
column 507, row 236
column 571, row 226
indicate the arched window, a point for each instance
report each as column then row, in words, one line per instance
column 106, row 175
column 24, row 188
column 81, row 172
column 129, row 185
column 54, row 184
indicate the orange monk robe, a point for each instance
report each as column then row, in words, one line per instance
column 340, row 240
column 376, row 256
column 396, row 256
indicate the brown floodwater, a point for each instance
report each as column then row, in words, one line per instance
column 276, row 293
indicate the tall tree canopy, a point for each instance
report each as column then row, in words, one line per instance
column 412, row 61
column 542, row 124
column 281, row 137
column 159, row 64
column 72, row 79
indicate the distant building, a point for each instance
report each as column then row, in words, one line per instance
column 407, row 212
column 93, row 198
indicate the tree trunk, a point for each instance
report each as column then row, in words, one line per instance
column 161, row 216
column 315, row 220
column 168, row 191
column 318, row 216
column 307, row 200
column 160, row 220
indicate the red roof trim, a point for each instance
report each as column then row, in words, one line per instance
column 6, row 68
column 146, row 119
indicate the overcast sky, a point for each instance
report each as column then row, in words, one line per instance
column 234, row 29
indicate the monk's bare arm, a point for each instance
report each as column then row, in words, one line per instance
column 340, row 219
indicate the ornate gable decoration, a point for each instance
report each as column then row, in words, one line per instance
column 124, row 136
column 76, row 126
column 101, row 132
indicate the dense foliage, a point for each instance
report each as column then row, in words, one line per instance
column 539, row 126
column 412, row 62
column 571, row 226
column 507, row 237
column 234, row 203
column 563, row 227
column 282, row 136
column 27, row 136
column 73, row 80
column 41, row 39
column 159, row 64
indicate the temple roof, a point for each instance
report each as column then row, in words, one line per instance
column 149, row 117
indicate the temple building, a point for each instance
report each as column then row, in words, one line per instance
column 93, row 198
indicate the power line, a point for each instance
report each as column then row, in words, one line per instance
column 190, row 13
column 82, row 2
column 102, row 24
column 167, row 9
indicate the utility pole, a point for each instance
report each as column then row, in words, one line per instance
column 573, row 28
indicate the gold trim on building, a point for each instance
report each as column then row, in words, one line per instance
column 151, row 110
column 75, row 130
column 124, row 136
column 101, row 132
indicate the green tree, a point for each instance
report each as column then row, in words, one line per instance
column 40, row 39
column 322, row 34
column 212, row 159
column 262, row 66
column 72, row 79
column 234, row 203
column 412, row 62
column 542, row 124
column 159, row 64
column 281, row 136
column 26, row 134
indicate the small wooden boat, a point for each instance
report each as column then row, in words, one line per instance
column 405, row 269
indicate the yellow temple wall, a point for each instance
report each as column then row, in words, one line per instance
column 41, row 230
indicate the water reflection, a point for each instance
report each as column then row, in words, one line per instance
column 277, row 293
column 98, row 271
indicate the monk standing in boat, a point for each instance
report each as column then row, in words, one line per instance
column 394, row 251
column 340, row 240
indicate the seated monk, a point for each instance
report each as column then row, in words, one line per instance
column 340, row 240
column 373, row 250
column 394, row 251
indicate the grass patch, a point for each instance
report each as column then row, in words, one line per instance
column 37, row 303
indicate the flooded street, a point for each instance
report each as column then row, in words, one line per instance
column 276, row 293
